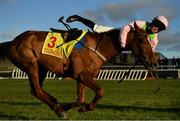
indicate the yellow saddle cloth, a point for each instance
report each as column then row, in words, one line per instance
column 54, row 45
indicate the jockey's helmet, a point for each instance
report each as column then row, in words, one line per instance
column 161, row 22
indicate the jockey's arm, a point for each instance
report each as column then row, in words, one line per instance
column 126, row 29
column 123, row 35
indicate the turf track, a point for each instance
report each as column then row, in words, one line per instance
column 127, row 101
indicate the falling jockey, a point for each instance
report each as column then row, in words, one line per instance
column 158, row 24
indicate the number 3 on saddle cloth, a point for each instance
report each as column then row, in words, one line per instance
column 55, row 45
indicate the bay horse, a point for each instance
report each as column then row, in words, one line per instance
column 84, row 63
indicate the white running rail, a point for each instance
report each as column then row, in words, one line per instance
column 103, row 74
column 118, row 74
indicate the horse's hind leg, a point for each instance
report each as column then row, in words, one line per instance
column 38, row 92
column 42, row 72
column 87, row 79
column 80, row 93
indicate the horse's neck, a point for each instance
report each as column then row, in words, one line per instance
column 132, row 42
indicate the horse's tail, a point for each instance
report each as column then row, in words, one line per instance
column 4, row 50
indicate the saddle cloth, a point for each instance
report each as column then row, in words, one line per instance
column 54, row 45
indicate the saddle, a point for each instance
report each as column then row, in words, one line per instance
column 69, row 35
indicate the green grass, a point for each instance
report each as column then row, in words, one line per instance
column 130, row 100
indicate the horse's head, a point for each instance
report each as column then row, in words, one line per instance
column 141, row 47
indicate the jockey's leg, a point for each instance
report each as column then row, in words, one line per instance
column 87, row 22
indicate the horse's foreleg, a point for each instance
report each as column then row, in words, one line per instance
column 80, row 93
column 38, row 92
column 81, row 97
column 87, row 79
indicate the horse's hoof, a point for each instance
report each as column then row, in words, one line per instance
column 66, row 107
column 62, row 115
column 82, row 109
column 90, row 107
column 59, row 111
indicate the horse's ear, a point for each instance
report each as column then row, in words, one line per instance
column 137, row 28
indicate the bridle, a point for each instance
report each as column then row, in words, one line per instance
column 151, row 68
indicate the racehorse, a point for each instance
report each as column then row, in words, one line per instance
column 84, row 63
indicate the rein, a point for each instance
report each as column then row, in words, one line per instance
column 97, row 52
column 156, row 85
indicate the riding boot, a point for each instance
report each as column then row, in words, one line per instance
column 73, row 18
column 87, row 22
